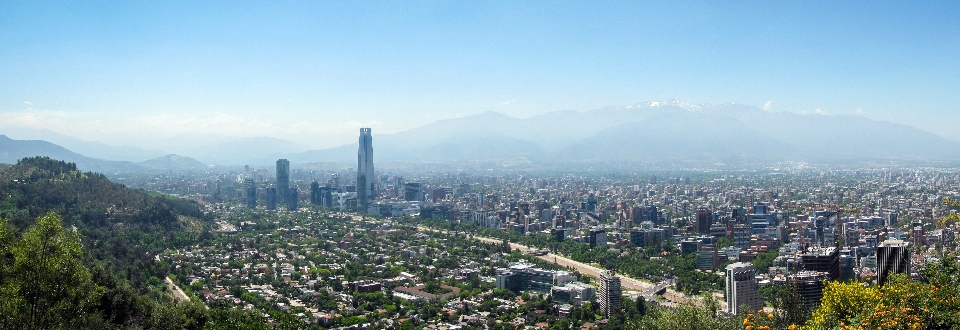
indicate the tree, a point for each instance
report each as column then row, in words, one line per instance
column 641, row 306
column 787, row 305
column 685, row 316
column 47, row 286
column 723, row 242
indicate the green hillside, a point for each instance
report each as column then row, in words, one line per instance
column 60, row 226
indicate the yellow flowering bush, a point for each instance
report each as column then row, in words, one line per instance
column 899, row 304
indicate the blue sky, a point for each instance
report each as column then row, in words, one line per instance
column 313, row 72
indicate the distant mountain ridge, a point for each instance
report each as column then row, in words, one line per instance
column 90, row 149
column 173, row 162
column 651, row 132
column 12, row 151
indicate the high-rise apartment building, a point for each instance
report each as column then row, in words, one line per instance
column 283, row 177
column 893, row 256
column 608, row 294
column 742, row 288
column 366, row 180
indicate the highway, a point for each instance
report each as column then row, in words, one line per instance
column 646, row 288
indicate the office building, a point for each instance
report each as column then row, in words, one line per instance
column 707, row 257
column 272, row 198
column 315, row 193
column 293, row 197
column 413, row 191
column 893, row 256
column 524, row 276
column 608, row 294
column 742, row 288
column 366, row 180
column 809, row 285
column 575, row 293
column 741, row 235
column 822, row 259
column 824, row 223
column 704, row 220
column 847, row 262
column 250, row 193
column 598, row 238
column 651, row 214
column 283, row 177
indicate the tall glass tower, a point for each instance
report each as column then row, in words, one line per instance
column 283, row 177
column 365, row 177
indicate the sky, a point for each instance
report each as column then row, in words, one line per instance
column 313, row 72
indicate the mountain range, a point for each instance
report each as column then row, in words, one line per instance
column 652, row 132
column 655, row 132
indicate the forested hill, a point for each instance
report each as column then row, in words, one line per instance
column 121, row 230
column 38, row 185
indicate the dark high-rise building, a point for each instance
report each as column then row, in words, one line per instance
column 824, row 222
column 704, row 220
column 809, row 285
column 366, row 181
column 315, row 197
column 822, row 259
column 893, row 256
column 250, row 190
column 272, row 198
column 293, row 197
column 591, row 203
column 846, row 266
column 598, row 238
column 651, row 214
column 326, row 196
column 283, row 177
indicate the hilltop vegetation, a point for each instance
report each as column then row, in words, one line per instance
column 77, row 250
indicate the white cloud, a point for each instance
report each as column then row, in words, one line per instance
column 28, row 103
column 767, row 106
column 819, row 111
column 859, row 112
column 506, row 103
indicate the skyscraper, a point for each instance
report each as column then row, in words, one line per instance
column 250, row 193
column 283, row 177
column 893, row 256
column 365, row 178
column 609, row 293
column 315, row 193
column 822, row 259
column 704, row 219
column 292, row 198
column 742, row 288
column 272, row 198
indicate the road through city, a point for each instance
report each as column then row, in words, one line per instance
column 627, row 283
